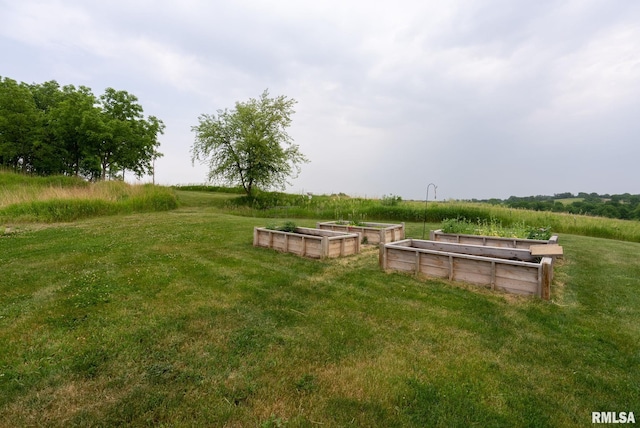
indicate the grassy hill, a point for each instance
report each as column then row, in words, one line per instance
column 174, row 319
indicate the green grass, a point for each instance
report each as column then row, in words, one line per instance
column 343, row 207
column 65, row 199
column 175, row 319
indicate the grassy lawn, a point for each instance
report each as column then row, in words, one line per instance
column 175, row 319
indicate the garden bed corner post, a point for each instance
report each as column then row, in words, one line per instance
column 547, row 272
column 325, row 247
column 382, row 257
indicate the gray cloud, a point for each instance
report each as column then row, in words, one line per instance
column 486, row 99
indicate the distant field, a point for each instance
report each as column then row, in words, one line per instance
column 174, row 319
column 568, row 201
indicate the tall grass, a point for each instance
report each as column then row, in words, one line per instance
column 343, row 207
column 213, row 189
column 10, row 180
column 51, row 199
column 61, row 199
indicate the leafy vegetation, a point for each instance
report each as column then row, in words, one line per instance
column 249, row 145
column 49, row 130
column 175, row 319
column 287, row 226
column 495, row 228
column 64, row 199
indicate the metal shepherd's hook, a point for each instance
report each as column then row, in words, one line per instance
column 435, row 196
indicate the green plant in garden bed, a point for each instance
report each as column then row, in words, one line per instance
column 288, row 226
column 494, row 227
column 352, row 222
column 541, row 233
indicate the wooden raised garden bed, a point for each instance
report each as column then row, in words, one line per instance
column 492, row 241
column 308, row 242
column 512, row 270
column 372, row 233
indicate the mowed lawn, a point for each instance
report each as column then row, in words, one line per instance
column 175, row 319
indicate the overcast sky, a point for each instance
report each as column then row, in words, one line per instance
column 483, row 98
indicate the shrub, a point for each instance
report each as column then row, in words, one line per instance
column 287, row 226
column 105, row 198
column 542, row 233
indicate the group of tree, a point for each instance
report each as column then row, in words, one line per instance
column 623, row 206
column 46, row 129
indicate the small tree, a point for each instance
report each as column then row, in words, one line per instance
column 249, row 145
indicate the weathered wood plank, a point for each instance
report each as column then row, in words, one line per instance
column 523, row 273
column 493, row 275
column 547, row 277
column 427, row 258
column 400, row 260
column 495, row 241
column 472, row 271
column 375, row 233
column 475, row 250
column 307, row 242
column 515, row 286
column 435, row 260
column 433, row 271
column 524, row 290
column 546, row 250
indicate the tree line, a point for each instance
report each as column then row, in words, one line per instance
column 48, row 129
column 622, row 206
